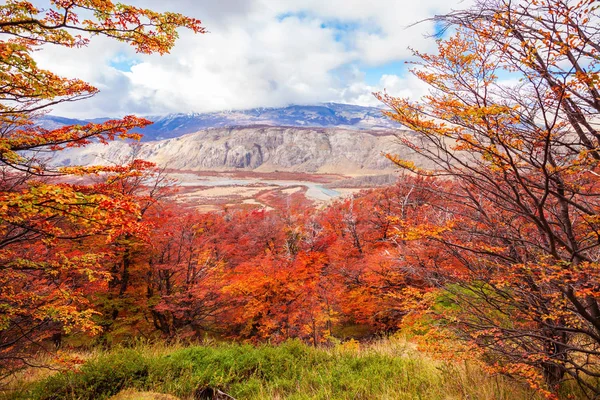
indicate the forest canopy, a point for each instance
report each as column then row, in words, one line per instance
column 488, row 250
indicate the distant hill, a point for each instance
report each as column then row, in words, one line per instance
column 328, row 115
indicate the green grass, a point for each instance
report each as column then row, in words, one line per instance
column 390, row 369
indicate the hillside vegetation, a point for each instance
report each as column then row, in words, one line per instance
column 389, row 369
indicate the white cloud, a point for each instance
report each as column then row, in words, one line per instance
column 362, row 94
column 258, row 53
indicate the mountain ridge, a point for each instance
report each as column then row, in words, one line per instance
column 326, row 115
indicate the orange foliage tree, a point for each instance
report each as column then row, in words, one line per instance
column 46, row 227
column 512, row 119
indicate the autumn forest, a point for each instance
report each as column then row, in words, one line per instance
column 486, row 253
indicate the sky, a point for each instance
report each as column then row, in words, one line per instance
column 258, row 53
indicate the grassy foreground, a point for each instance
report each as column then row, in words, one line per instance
column 386, row 370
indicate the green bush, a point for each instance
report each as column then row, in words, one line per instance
column 100, row 378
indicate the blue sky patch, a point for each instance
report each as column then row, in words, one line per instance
column 374, row 74
column 300, row 15
column 123, row 63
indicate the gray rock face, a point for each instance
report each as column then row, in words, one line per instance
column 263, row 148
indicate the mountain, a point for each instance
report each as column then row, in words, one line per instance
column 324, row 115
column 256, row 148
column 54, row 122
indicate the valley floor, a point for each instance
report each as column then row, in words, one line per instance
column 209, row 190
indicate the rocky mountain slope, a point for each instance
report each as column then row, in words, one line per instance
column 323, row 115
column 256, row 148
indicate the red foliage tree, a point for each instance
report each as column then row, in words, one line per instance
column 45, row 226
